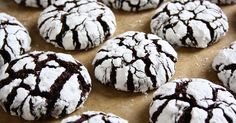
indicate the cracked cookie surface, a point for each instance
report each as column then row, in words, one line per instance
column 225, row 65
column 15, row 39
column 135, row 61
column 76, row 25
column 223, row 2
column 219, row 2
column 196, row 24
column 43, row 85
column 38, row 3
column 94, row 117
column 133, row 5
column 192, row 101
column 35, row 3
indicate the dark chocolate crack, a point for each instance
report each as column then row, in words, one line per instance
column 140, row 5
column 100, row 116
column 181, row 93
column 53, row 94
column 6, row 51
column 224, row 65
column 131, row 84
column 220, row 2
column 35, row 3
column 83, row 36
column 189, row 40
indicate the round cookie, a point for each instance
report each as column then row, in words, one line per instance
column 38, row 3
column 135, row 61
column 76, row 25
column 14, row 39
column 225, row 65
column 35, row 3
column 94, row 117
column 219, row 2
column 43, row 84
column 223, row 2
column 192, row 101
column 196, row 24
column 133, row 5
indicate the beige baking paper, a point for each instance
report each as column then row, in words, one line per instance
column 131, row 106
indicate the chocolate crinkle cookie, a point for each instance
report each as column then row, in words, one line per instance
column 38, row 3
column 43, row 85
column 35, row 3
column 133, row 5
column 225, row 65
column 76, row 25
column 219, row 2
column 135, row 61
column 94, row 117
column 192, row 101
column 223, row 2
column 14, row 38
column 196, row 24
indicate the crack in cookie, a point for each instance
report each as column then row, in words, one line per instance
column 225, row 65
column 192, row 100
column 133, row 5
column 94, row 116
column 135, row 61
column 76, row 25
column 38, row 3
column 196, row 24
column 15, row 39
column 43, row 84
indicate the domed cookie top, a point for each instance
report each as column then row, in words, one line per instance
column 190, row 24
column 43, row 84
column 38, row 3
column 76, row 25
column 192, row 100
column 14, row 39
column 225, row 64
column 133, row 5
column 223, row 1
column 135, row 61
column 35, row 3
column 94, row 117
column 219, row 2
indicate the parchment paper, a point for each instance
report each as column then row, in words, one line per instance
column 131, row 106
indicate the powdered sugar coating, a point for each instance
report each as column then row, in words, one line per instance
column 94, row 117
column 225, row 65
column 135, row 61
column 190, row 24
column 192, row 101
column 76, row 25
column 35, row 3
column 38, row 3
column 219, row 2
column 43, row 84
column 133, row 5
column 14, row 39
column 223, row 1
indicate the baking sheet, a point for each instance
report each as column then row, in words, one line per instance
column 131, row 106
